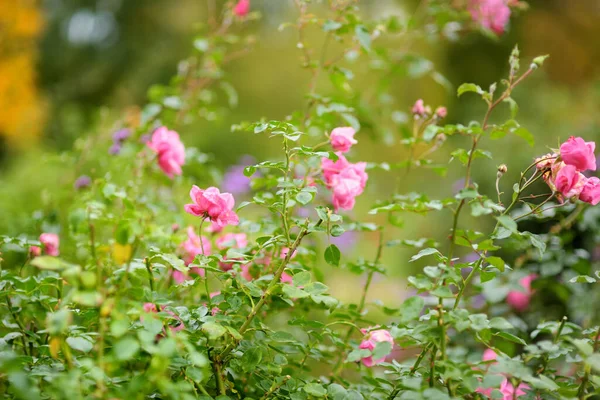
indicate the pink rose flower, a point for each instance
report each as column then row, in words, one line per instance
column 150, row 307
column 194, row 244
column 490, row 14
column 489, row 355
column 169, row 149
column 50, row 243
column 591, row 191
column 419, row 108
column 333, row 168
column 569, row 181
column 519, row 300
column 509, row 392
column 578, row 153
column 212, row 204
column 286, row 278
column 180, row 277
column 342, row 139
column 242, row 8
column 371, row 340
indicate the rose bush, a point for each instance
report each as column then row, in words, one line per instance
column 133, row 292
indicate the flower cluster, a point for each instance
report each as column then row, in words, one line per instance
column 563, row 171
column 342, row 139
column 169, row 150
column 422, row 111
column 50, row 243
column 346, row 180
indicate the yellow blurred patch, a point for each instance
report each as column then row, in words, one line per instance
column 121, row 253
column 54, row 346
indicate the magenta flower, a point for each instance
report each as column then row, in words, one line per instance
column 578, row 153
column 50, row 243
column 519, row 299
column 169, row 149
column 212, row 204
column 371, row 340
column 591, row 191
column 35, row 251
column 490, row 14
column 342, row 139
column 242, row 8
column 509, row 392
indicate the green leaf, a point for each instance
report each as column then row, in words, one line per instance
column 172, row 260
column 594, row 361
column 496, row 262
column 469, row 87
column 423, row 253
column 330, row 25
column 126, row 349
column 382, row 349
column 80, row 344
column 251, row 358
column 294, row 292
column 500, row 323
column 582, row 279
column 332, row 255
column 50, row 263
column 304, row 197
column 411, row 308
column 363, row 36
column 315, row 389
column 213, row 330
column 301, row 278
column 510, row 337
column 526, row 135
column 508, row 223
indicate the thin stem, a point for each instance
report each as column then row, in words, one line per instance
column 466, row 282
column 535, row 208
column 420, row 358
column 586, row 376
column 568, row 222
column 432, row 366
column 442, row 327
column 21, row 327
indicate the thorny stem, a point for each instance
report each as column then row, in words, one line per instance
column 269, row 291
column 339, row 365
column 21, row 327
column 432, row 366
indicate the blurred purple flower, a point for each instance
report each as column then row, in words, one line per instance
column 82, row 182
column 478, row 301
column 458, row 185
column 234, row 180
column 345, row 241
column 120, row 135
column 114, row 149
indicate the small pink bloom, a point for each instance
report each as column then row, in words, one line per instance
column 286, row 278
column 333, row 168
column 545, row 161
column 35, row 251
column 441, row 112
column 246, row 272
column 490, row 14
column 519, row 300
column 175, row 324
column 419, row 108
column 214, row 227
column 578, row 153
column 242, row 8
column 232, row 240
column 369, row 343
column 509, row 392
column 150, row 307
column 569, row 181
column 345, row 179
column 169, row 149
column 50, row 243
column 591, row 191
column 489, row 355
column 194, row 246
column 342, row 139
column 213, row 204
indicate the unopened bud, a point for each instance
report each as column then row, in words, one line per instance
column 441, row 138
column 502, row 169
column 539, row 61
column 441, row 112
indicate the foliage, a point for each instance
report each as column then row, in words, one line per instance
column 124, row 302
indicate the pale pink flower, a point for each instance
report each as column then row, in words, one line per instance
column 489, row 355
column 50, row 243
column 212, row 204
column 231, row 240
column 286, row 278
column 509, row 392
column 578, row 153
column 346, row 180
column 569, row 181
column 169, row 149
column 342, row 138
column 150, row 307
column 242, row 8
column 519, row 299
column 370, row 341
column 491, row 14
column 419, row 108
column 441, row 112
column 545, row 161
column 332, row 168
column 591, row 191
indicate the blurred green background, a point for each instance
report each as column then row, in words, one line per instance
column 71, row 67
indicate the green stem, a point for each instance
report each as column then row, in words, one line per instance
column 21, row 327
column 275, row 387
column 586, row 376
column 466, row 282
